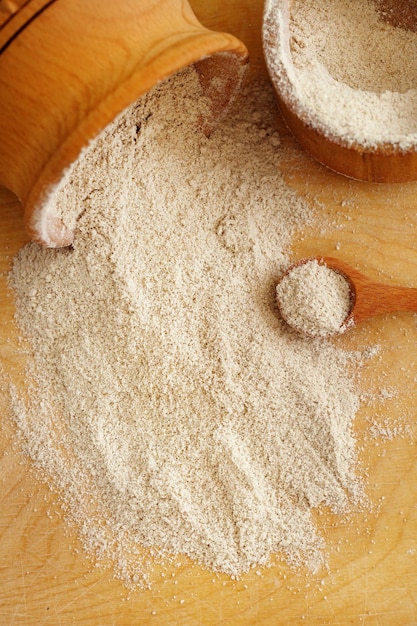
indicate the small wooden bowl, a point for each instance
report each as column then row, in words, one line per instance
column 69, row 67
column 384, row 164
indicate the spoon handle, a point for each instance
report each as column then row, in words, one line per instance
column 376, row 298
column 370, row 297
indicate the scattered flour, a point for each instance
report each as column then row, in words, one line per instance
column 166, row 400
column 353, row 77
column 314, row 299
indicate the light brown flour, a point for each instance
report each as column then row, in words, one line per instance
column 314, row 299
column 166, row 400
column 353, row 74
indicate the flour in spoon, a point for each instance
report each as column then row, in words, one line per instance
column 314, row 299
column 167, row 402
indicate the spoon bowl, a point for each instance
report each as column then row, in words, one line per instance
column 368, row 298
column 383, row 162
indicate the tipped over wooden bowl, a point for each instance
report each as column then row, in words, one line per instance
column 68, row 68
column 384, row 162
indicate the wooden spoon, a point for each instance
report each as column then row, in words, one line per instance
column 368, row 297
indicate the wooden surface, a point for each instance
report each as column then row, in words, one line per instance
column 46, row 579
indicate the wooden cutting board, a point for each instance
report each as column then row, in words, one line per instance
column 45, row 578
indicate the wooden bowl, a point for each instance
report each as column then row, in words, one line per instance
column 385, row 163
column 68, row 68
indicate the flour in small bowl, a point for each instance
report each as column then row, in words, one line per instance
column 346, row 70
column 167, row 402
column 314, row 299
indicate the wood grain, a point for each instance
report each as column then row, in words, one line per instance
column 45, row 579
column 9, row 8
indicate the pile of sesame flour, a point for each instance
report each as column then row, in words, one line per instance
column 167, row 403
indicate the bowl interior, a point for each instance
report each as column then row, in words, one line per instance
column 356, row 132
